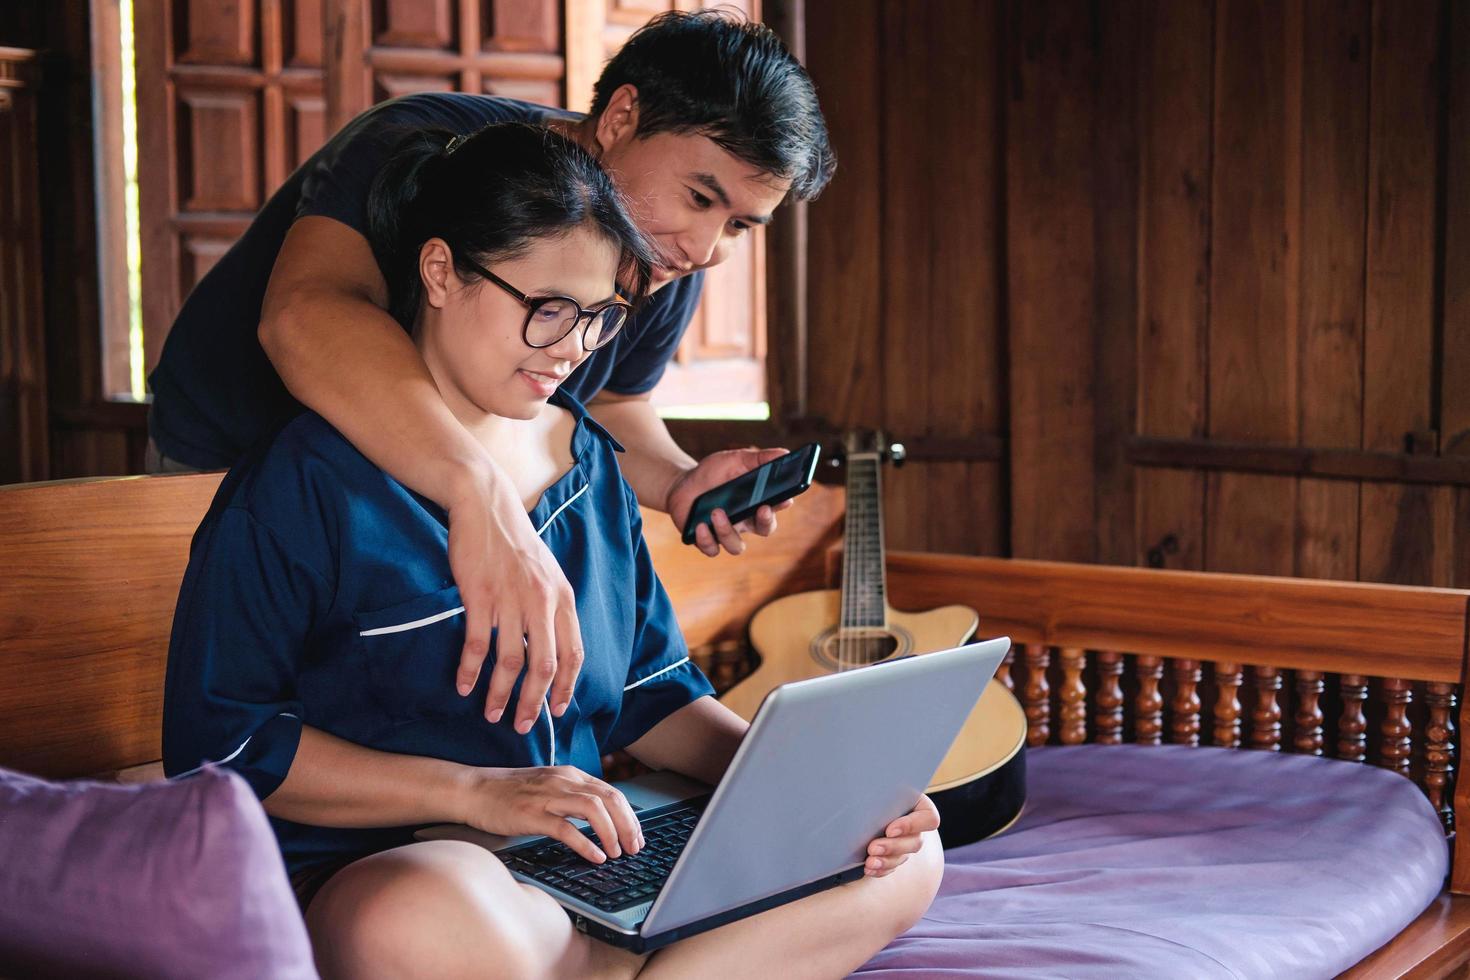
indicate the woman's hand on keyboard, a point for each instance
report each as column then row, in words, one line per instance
column 543, row 800
column 901, row 838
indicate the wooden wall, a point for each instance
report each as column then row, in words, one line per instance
column 1177, row 282
column 1200, row 267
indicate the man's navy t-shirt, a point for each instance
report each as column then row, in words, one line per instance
column 215, row 394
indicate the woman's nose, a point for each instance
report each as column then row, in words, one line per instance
column 570, row 348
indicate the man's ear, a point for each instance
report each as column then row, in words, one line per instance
column 436, row 269
column 619, row 120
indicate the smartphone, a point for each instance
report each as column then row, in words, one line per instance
column 770, row 483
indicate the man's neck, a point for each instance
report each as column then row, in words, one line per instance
column 581, row 131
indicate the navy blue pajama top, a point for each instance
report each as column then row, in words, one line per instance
column 318, row 593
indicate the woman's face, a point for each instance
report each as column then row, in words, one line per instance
column 470, row 331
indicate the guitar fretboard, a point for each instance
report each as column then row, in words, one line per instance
column 863, row 585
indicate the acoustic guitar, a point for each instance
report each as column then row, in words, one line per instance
column 981, row 785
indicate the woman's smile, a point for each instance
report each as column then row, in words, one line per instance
column 544, row 384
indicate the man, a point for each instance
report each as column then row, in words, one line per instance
column 705, row 123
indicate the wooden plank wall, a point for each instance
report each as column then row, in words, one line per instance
column 1187, row 262
column 1178, row 254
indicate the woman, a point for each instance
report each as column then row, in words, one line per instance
column 317, row 635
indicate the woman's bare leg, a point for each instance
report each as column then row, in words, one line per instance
column 826, row 935
column 446, row 909
column 450, row 909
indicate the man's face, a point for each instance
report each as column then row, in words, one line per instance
column 693, row 198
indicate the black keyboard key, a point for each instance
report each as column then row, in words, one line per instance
column 603, row 886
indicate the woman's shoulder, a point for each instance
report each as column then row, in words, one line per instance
column 307, row 466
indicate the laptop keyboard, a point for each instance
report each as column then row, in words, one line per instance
column 619, row 883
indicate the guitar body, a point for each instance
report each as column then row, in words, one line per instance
column 980, row 786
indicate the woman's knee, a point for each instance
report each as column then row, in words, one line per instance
column 411, row 912
column 916, row 882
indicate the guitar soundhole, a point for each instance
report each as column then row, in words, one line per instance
column 842, row 651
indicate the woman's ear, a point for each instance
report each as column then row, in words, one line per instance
column 619, row 121
column 436, row 269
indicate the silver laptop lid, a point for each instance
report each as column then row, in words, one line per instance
column 828, row 762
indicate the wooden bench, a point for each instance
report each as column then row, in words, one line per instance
column 1364, row 672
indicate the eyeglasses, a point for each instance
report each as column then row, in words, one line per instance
column 550, row 318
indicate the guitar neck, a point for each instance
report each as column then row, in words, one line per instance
column 864, row 586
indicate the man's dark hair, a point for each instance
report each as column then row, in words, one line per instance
column 492, row 195
column 713, row 74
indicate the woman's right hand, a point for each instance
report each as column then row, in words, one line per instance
column 542, row 800
column 509, row 581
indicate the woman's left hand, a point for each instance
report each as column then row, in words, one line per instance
column 900, row 839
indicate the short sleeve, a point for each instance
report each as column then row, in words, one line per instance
column 661, row 677
column 668, row 314
column 230, row 696
column 337, row 182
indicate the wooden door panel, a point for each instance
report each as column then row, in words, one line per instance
column 302, row 33
column 215, row 32
column 514, row 25
column 219, row 152
column 414, row 23
column 230, row 100
column 510, row 49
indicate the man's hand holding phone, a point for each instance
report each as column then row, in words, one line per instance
column 712, row 471
column 750, row 485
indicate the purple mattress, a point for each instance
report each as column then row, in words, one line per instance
column 1169, row 861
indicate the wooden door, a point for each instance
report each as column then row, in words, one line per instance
column 234, row 94
column 230, row 101
column 23, row 422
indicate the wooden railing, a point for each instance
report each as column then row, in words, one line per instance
column 1354, row 671
column 1108, row 697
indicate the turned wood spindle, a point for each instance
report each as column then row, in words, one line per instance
column 1439, row 750
column 1148, row 722
column 1228, row 678
column 1397, row 732
column 1352, row 729
column 1073, row 696
column 1266, row 719
column 1309, row 718
column 730, row 663
column 1036, row 695
column 1184, row 729
column 1107, row 716
column 1003, row 672
column 703, row 657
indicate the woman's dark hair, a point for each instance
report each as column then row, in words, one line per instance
column 492, row 195
column 712, row 74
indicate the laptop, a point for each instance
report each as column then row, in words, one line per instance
column 826, row 765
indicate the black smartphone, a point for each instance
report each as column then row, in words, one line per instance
column 770, row 483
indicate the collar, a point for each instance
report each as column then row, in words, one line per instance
column 588, row 430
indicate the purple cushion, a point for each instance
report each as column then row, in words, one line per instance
column 178, row 879
column 1179, row 862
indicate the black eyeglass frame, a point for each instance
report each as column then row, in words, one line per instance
column 533, row 303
